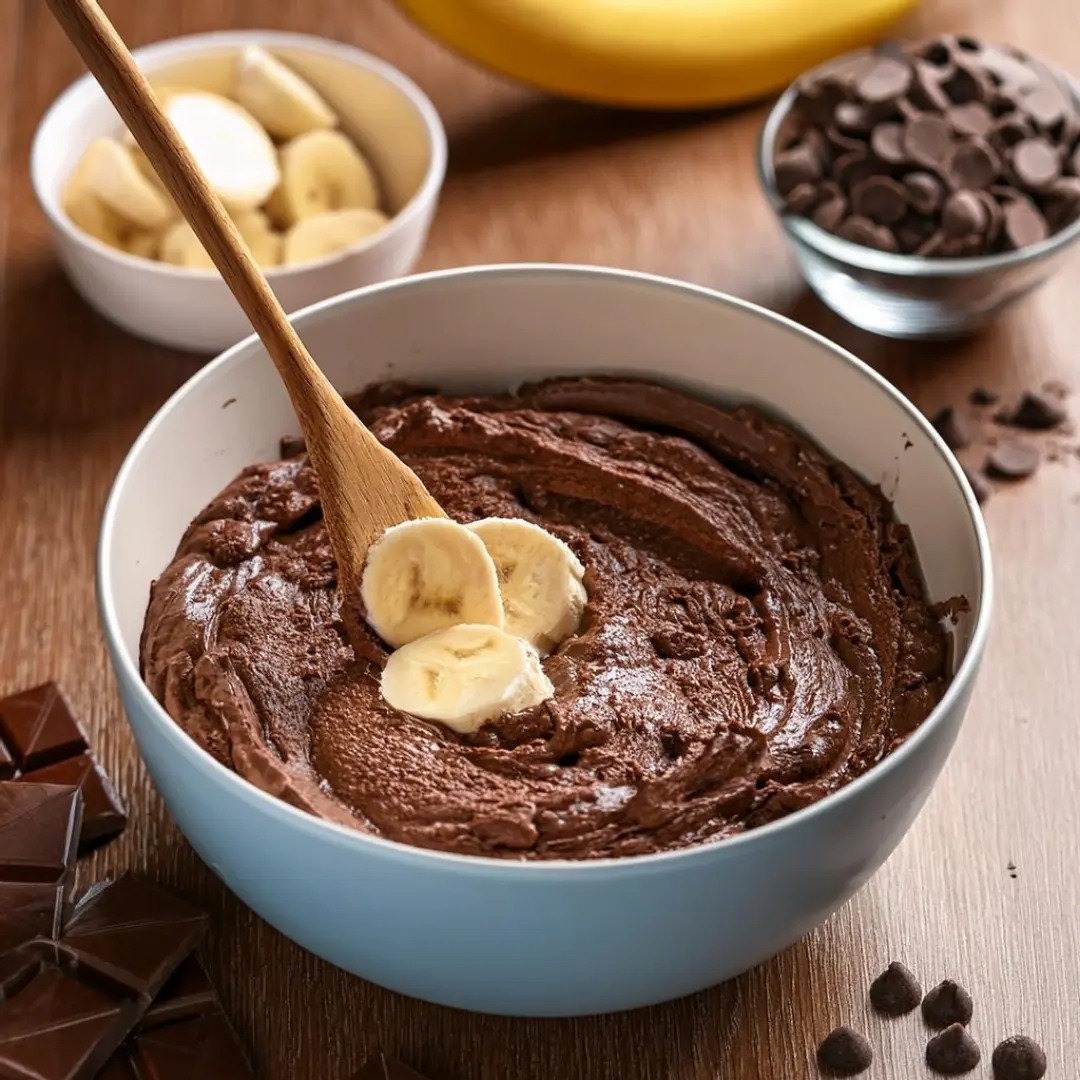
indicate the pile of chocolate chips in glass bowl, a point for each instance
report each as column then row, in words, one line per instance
column 949, row 148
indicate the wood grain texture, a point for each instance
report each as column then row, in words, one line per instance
column 535, row 179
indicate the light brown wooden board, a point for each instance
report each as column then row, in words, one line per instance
column 536, row 179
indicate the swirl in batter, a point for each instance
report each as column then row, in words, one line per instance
column 756, row 634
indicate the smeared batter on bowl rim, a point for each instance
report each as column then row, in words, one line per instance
column 757, row 632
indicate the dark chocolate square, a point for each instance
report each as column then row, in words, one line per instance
column 18, row 967
column 29, row 909
column 7, row 762
column 188, row 993
column 119, row 1067
column 133, row 933
column 59, row 1027
column 103, row 813
column 205, row 1047
column 39, row 727
column 39, row 830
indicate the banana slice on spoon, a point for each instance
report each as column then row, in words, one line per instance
column 464, row 676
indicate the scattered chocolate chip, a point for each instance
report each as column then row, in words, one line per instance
column 1035, row 163
column 880, row 198
column 979, row 487
column 895, row 991
column 1036, row 412
column 1024, row 225
column 953, row 1052
column 844, row 1052
column 1012, row 459
column 964, row 214
column 1018, row 1058
column 953, row 427
column 948, row 1003
column 981, row 396
column 924, row 192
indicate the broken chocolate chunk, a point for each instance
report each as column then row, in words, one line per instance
column 39, row 726
column 1036, row 412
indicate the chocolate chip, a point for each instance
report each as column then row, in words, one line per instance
column 953, row 1052
column 1018, row 1058
column 974, row 118
column 933, row 246
column 924, row 192
column 1024, row 225
column 995, row 216
column 936, row 52
column 885, row 79
column 925, row 91
column 800, row 199
column 1046, row 104
column 913, row 232
column 1035, row 163
column 973, row 164
column 830, row 212
column 895, row 991
column 964, row 85
column 880, row 198
column 928, row 141
column 1009, row 130
column 979, row 487
column 1012, row 459
column 799, row 165
column 861, row 230
column 817, row 99
column 1036, row 412
column 955, row 429
column 851, row 168
column 1075, row 161
column 963, row 214
column 948, row 1003
column 887, row 142
column 842, row 143
column 844, row 1052
column 852, row 118
column 1061, row 202
column 981, row 396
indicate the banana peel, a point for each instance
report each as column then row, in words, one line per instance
column 656, row 54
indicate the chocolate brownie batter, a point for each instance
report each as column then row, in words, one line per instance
column 756, row 632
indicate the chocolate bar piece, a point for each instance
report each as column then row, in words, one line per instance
column 119, row 1067
column 29, row 909
column 384, row 1068
column 133, row 934
column 103, row 813
column 205, row 1047
column 39, row 727
column 7, row 762
column 59, row 1027
column 188, row 993
column 39, row 831
column 17, row 968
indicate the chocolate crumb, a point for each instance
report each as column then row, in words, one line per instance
column 895, row 991
column 981, row 396
column 953, row 427
column 292, row 446
column 1012, row 459
column 1036, row 412
column 1018, row 1058
column 948, row 1003
column 844, row 1052
column 953, row 1052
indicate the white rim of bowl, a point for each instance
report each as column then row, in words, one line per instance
column 847, row 252
column 153, row 57
column 348, row 837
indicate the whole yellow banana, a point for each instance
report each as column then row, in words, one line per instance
column 655, row 53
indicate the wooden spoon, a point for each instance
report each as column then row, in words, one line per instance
column 363, row 486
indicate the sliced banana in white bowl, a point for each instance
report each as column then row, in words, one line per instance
column 277, row 97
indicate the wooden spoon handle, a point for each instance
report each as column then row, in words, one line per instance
column 127, row 88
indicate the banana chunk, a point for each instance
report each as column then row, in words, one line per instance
column 229, row 145
column 285, row 104
column 181, row 247
column 539, row 579
column 326, row 234
column 321, row 171
column 427, row 575
column 464, row 676
column 109, row 173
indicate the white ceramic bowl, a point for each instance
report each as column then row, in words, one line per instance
column 390, row 118
column 552, row 938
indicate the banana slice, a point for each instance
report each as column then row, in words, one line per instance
column 109, row 172
column 464, row 676
column 539, row 579
column 317, row 237
column 144, row 245
column 277, row 97
column 426, row 575
column 229, row 145
column 321, row 171
column 181, row 247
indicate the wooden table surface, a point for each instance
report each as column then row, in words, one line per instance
column 532, row 179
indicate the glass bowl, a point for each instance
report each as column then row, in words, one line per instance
column 904, row 296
